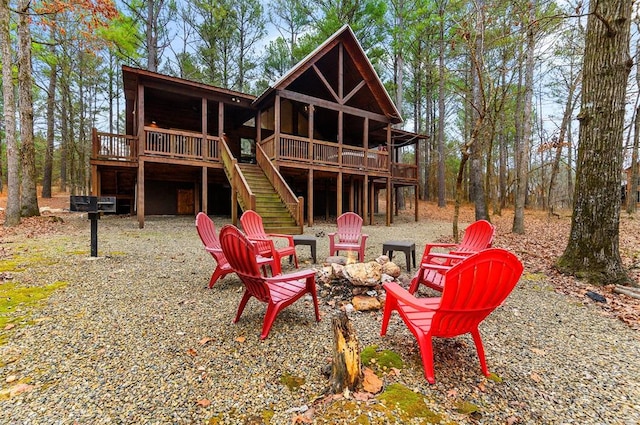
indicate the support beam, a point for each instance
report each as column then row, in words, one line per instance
column 389, row 204
column 415, row 202
column 352, row 194
column 365, row 197
column 310, row 197
column 339, row 195
column 220, row 119
column 372, row 203
column 140, row 194
column 205, row 190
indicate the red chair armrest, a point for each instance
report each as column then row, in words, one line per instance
column 434, row 266
column 448, row 256
column 281, row 236
column 300, row 274
column 399, row 293
column 429, row 246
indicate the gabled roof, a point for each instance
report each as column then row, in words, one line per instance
column 357, row 58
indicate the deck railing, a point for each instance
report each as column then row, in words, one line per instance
column 111, row 146
column 404, row 171
column 180, row 144
column 246, row 197
column 320, row 152
column 294, row 204
column 157, row 142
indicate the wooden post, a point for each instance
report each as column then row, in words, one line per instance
column 310, row 198
column 339, row 195
column 140, row 194
column 345, row 368
column 205, row 190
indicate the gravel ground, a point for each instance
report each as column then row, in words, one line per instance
column 136, row 337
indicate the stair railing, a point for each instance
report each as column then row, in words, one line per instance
column 238, row 183
column 294, row 204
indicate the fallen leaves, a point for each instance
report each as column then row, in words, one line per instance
column 15, row 390
column 203, row 402
column 371, row 383
column 205, row 341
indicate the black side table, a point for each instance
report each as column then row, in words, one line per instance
column 408, row 247
column 306, row 240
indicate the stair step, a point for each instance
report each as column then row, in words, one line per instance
column 288, row 230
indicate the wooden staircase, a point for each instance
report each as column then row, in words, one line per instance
column 275, row 215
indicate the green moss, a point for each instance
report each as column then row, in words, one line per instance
column 384, row 359
column 291, row 382
column 17, row 301
column 495, row 378
column 534, row 277
column 267, row 415
column 410, row 403
column 216, row 420
column 467, row 408
column 349, row 411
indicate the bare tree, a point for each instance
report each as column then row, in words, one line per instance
column 522, row 151
column 28, row 194
column 12, row 213
column 593, row 248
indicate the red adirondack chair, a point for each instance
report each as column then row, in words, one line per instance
column 207, row 232
column 474, row 287
column 349, row 236
column 277, row 292
column 266, row 242
column 478, row 236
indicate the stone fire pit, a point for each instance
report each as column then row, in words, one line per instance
column 355, row 286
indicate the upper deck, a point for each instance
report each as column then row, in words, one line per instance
column 293, row 151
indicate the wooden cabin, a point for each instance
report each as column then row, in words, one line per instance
column 319, row 142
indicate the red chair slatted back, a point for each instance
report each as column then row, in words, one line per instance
column 241, row 254
column 254, row 228
column 473, row 289
column 478, row 236
column 207, row 231
column 349, row 227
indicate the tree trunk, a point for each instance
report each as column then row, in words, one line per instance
column 28, row 194
column 593, row 248
column 442, row 202
column 632, row 199
column 12, row 213
column 559, row 144
column 48, row 156
column 522, row 153
column 476, row 148
column 345, row 368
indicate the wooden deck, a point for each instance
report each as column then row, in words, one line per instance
column 294, row 150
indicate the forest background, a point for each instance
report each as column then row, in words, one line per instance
column 496, row 84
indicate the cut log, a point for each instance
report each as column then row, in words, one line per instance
column 628, row 291
column 345, row 368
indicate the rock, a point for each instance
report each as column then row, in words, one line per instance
column 335, row 259
column 386, row 278
column 357, row 290
column 391, row 269
column 363, row 274
column 337, row 271
column 365, row 303
column 324, row 275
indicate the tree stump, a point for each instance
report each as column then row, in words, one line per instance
column 345, row 369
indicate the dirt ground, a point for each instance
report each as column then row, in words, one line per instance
column 544, row 241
